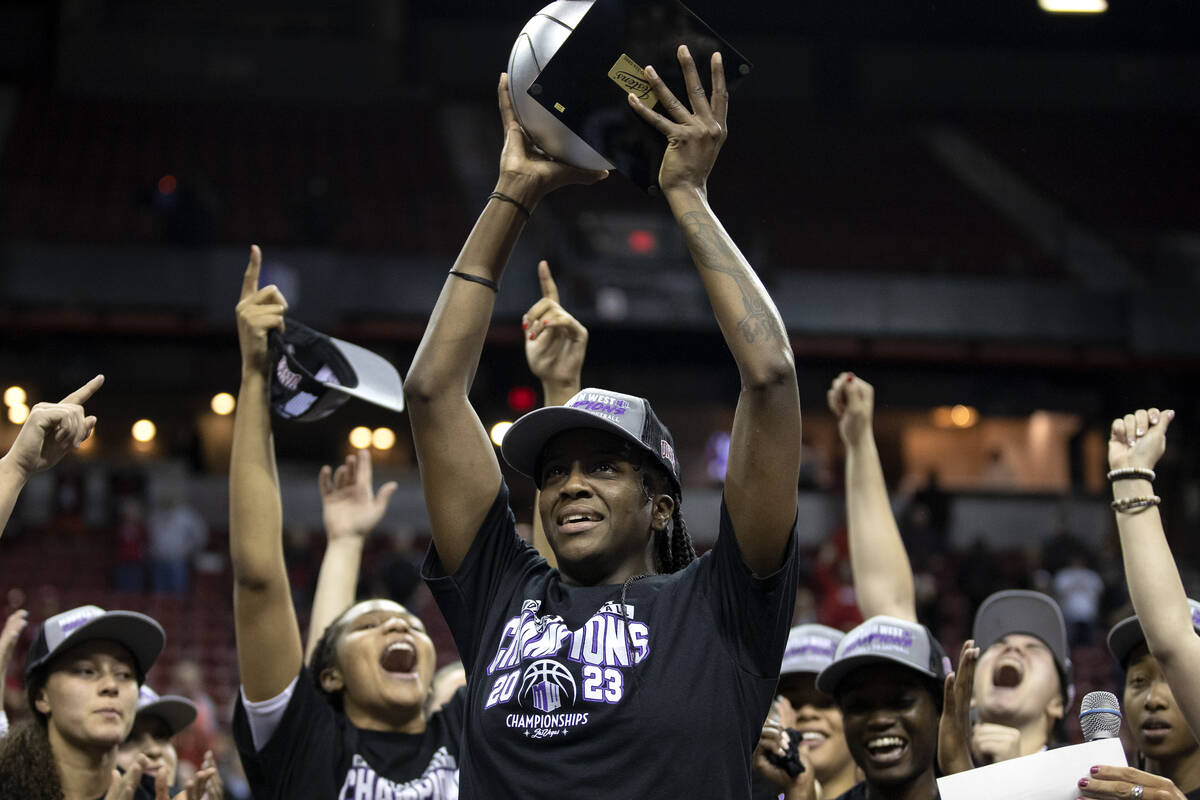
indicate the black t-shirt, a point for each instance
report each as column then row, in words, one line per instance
column 317, row 753
column 565, row 701
column 859, row 792
column 763, row 788
column 1194, row 794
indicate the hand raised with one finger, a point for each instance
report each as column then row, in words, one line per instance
column 555, row 342
column 51, row 431
column 259, row 311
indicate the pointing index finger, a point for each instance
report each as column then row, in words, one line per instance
column 546, row 280
column 85, row 392
column 250, row 279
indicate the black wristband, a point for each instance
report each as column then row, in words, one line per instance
column 520, row 206
column 488, row 282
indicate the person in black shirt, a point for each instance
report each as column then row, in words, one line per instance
column 633, row 669
column 354, row 724
column 888, row 678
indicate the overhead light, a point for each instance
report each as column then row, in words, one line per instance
column 144, row 431
column 1074, row 6
column 14, row 396
column 383, row 438
column 360, row 437
column 223, row 403
column 498, row 431
column 18, row 413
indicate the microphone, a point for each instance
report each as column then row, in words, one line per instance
column 1100, row 716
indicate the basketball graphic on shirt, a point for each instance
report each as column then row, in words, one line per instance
column 544, row 683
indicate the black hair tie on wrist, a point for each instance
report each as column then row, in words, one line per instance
column 466, row 276
column 520, row 206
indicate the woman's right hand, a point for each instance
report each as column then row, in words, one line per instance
column 259, row 311
column 526, row 174
column 852, row 401
column 1138, row 439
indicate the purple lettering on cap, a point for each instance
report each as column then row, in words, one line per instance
column 885, row 638
column 66, row 626
column 288, row 378
column 1196, row 617
column 668, row 452
column 820, row 647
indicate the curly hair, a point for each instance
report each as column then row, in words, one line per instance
column 27, row 766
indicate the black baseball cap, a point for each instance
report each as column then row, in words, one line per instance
column 586, row 82
column 1128, row 634
column 140, row 634
column 313, row 374
column 624, row 415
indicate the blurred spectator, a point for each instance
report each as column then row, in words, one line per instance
column 129, row 574
column 1078, row 589
column 177, row 532
column 187, row 680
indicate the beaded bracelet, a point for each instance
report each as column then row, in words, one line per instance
column 488, row 282
column 1126, row 504
column 520, row 206
column 1124, row 473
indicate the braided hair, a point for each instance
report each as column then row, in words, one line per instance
column 325, row 657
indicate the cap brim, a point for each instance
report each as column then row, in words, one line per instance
column 524, row 441
column 378, row 381
column 1124, row 637
column 830, row 677
column 177, row 711
column 142, row 635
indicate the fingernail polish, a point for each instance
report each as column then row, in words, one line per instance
column 531, row 335
column 1094, row 770
column 524, row 324
column 1083, row 782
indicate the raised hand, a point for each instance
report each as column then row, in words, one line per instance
column 350, row 507
column 124, row 786
column 1118, row 783
column 259, row 311
column 954, row 730
column 695, row 136
column 852, row 400
column 51, row 431
column 1139, row 439
column 556, row 342
column 204, row 785
column 9, row 635
column 525, row 172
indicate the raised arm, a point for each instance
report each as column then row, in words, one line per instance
column 555, row 346
column 883, row 581
column 350, row 509
column 459, row 471
column 268, row 636
column 1137, row 442
column 51, row 431
column 764, row 449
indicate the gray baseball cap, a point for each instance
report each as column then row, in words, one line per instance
column 1128, row 634
column 175, row 710
column 1031, row 613
column 139, row 633
column 810, row 648
column 886, row 640
column 624, row 415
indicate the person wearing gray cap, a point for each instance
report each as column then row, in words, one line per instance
column 1022, row 686
column 159, row 718
column 1158, row 648
column 810, row 716
column 586, row 675
column 82, row 675
column 888, row 677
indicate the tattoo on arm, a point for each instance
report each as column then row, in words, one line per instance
column 711, row 250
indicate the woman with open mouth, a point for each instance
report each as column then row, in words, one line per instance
column 888, row 678
column 353, row 722
column 584, row 677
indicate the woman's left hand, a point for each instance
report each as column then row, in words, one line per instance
column 1124, row 783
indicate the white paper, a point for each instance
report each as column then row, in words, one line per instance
column 1048, row 775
